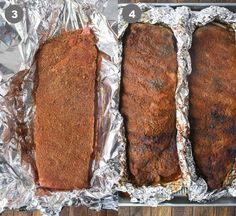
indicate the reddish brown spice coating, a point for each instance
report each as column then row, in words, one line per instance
column 64, row 120
column 148, row 103
column 213, row 102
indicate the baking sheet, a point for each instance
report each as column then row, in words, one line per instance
column 180, row 198
column 182, row 201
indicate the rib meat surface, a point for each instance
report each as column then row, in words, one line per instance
column 148, row 103
column 213, row 102
column 64, row 120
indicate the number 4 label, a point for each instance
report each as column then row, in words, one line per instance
column 131, row 13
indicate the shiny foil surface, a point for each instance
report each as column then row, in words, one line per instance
column 174, row 19
column 182, row 22
column 18, row 45
column 198, row 190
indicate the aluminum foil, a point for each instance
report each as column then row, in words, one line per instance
column 183, row 22
column 176, row 20
column 18, row 45
column 198, row 190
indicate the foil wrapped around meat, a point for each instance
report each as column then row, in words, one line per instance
column 183, row 23
column 220, row 20
column 153, row 195
column 18, row 45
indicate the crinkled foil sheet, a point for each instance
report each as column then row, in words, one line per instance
column 175, row 20
column 183, row 22
column 18, row 45
column 198, row 190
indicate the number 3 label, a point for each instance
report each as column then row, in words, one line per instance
column 131, row 13
column 14, row 13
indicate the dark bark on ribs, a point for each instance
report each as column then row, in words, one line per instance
column 148, row 103
column 213, row 102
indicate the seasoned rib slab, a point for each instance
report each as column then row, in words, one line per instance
column 148, row 103
column 213, row 102
column 64, row 120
